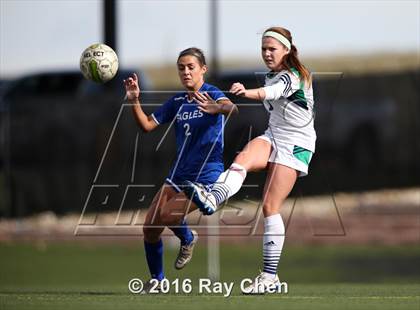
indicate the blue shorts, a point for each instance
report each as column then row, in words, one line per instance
column 178, row 187
column 206, row 176
column 177, row 183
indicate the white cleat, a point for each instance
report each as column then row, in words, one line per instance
column 263, row 284
column 204, row 200
column 186, row 252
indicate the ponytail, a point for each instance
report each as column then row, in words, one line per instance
column 291, row 60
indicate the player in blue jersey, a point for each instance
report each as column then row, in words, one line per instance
column 197, row 114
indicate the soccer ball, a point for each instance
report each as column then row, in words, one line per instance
column 99, row 63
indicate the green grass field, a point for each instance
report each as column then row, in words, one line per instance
column 92, row 276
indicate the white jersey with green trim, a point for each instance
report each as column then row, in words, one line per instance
column 290, row 104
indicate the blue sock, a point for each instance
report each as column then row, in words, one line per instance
column 154, row 256
column 183, row 232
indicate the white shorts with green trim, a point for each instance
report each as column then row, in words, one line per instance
column 289, row 155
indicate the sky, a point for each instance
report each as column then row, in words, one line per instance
column 47, row 34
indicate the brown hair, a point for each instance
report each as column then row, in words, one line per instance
column 291, row 60
column 196, row 52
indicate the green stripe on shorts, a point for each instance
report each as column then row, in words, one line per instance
column 302, row 154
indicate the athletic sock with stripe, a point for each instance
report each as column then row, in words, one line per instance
column 228, row 183
column 272, row 243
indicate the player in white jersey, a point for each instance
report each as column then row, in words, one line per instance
column 285, row 149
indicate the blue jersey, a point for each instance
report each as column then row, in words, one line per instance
column 199, row 137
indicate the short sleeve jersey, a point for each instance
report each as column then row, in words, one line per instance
column 291, row 106
column 199, row 137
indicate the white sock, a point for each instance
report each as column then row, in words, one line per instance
column 229, row 183
column 272, row 243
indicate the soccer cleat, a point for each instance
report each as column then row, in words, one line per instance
column 150, row 287
column 203, row 199
column 263, row 284
column 186, row 252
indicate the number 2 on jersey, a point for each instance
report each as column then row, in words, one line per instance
column 187, row 129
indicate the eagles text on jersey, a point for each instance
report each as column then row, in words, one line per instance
column 199, row 137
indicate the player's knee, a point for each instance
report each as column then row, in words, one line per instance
column 166, row 220
column 166, row 217
column 270, row 208
column 249, row 163
column 147, row 231
column 151, row 233
column 242, row 159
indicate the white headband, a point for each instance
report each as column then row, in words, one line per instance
column 278, row 37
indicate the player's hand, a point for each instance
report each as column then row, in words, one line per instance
column 132, row 89
column 206, row 103
column 238, row 89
